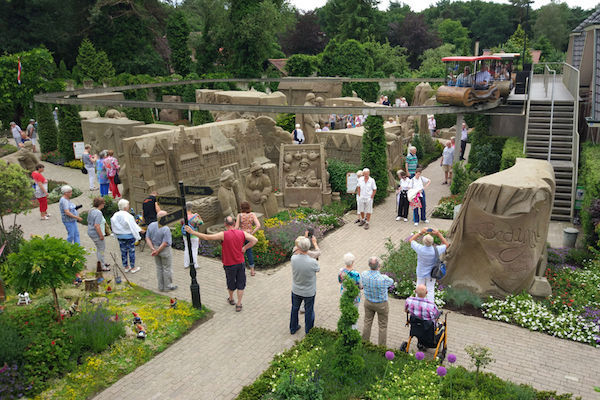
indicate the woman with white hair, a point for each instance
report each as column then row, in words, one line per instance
column 69, row 215
column 359, row 174
column 349, row 271
column 127, row 232
column 427, row 257
column 298, row 135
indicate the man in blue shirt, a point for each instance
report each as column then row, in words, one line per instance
column 375, row 287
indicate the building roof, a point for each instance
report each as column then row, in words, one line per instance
column 279, row 63
column 593, row 19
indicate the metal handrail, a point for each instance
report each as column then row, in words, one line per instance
column 547, row 69
column 527, row 104
column 571, row 75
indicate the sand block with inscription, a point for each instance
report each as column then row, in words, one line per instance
column 498, row 240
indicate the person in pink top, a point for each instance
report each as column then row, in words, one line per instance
column 232, row 256
column 112, row 169
column 248, row 222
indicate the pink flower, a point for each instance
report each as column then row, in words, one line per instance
column 419, row 355
column 389, row 355
column 441, row 371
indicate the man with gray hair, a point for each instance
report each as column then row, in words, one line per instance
column 412, row 161
column 69, row 215
column 15, row 130
column 427, row 257
column 304, row 285
column 232, row 255
column 127, row 232
column 366, row 190
column 158, row 238
column 376, row 288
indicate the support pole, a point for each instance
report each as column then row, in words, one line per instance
column 194, row 287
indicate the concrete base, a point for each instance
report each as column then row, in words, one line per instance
column 540, row 287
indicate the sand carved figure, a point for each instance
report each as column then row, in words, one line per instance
column 308, row 121
column 228, row 194
column 259, row 191
column 305, row 176
column 26, row 157
column 498, row 240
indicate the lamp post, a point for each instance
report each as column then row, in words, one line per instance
column 525, row 38
column 194, row 287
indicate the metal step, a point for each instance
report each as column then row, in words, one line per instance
column 542, row 131
column 561, row 114
column 562, row 196
column 542, row 149
column 557, row 217
column 545, row 137
column 563, row 182
column 546, row 141
column 561, row 107
column 546, row 125
column 554, row 157
column 546, row 119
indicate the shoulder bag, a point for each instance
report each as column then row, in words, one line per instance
column 439, row 268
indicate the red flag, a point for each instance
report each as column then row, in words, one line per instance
column 19, row 72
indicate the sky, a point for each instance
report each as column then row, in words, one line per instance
column 419, row 5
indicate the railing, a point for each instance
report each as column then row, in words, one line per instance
column 571, row 81
column 547, row 72
column 528, row 103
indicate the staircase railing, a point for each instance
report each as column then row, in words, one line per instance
column 528, row 81
column 571, row 81
column 547, row 72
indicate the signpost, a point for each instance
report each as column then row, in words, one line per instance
column 182, row 214
column 78, row 149
column 351, row 182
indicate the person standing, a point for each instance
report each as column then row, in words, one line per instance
column 127, row 232
column 304, row 285
column 359, row 175
column 159, row 239
column 55, row 116
column 101, row 171
column 426, row 257
column 32, row 133
column 194, row 221
column 112, row 169
column 150, row 208
column 420, row 183
column 332, row 119
column 15, row 130
column 366, row 193
column 402, row 195
column 97, row 230
column 41, row 190
column 348, row 271
column 69, row 215
column 232, row 255
column 89, row 161
column 411, row 161
column 446, row 162
column 464, row 136
column 248, row 222
column 431, row 124
column 376, row 300
column 298, row 135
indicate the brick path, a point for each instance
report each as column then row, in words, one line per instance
column 229, row 351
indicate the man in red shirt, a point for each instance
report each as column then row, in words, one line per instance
column 232, row 255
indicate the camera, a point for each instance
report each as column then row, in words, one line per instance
column 311, row 232
column 429, row 230
column 78, row 207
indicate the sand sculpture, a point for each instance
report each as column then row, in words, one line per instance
column 498, row 241
column 250, row 97
column 26, row 157
column 228, row 194
column 259, row 191
column 170, row 115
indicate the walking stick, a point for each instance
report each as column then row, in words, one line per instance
column 117, row 266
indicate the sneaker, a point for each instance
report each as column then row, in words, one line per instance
column 172, row 287
column 398, row 218
column 405, row 220
column 362, row 222
column 357, row 221
column 366, row 225
column 126, row 269
column 416, row 224
column 134, row 270
column 426, row 221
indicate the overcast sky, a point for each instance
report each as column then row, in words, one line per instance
column 419, row 5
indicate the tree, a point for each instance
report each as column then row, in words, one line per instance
column 374, row 154
column 415, row 35
column 359, row 20
column 93, row 64
column 178, row 32
column 16, row 192
column 209, row 20
column 301, row 65
column 348, row 361
column 47, row 131
column 387, row 59
column 305, row 37
column 69, row 131
column 348, row 58
column 453, row 32
column 551, row 22
column 432, row 65
column 516, row 44
column 44, row 263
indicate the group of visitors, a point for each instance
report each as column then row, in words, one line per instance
column 104, row 167
column 21, row 136
column 482, row 79
column 410, row 191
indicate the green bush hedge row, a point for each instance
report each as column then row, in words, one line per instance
column 589, row 175
column 513, row 149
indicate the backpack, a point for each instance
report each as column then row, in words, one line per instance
column 439, row 268
column 295, row 135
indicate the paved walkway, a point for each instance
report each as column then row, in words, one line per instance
column 219, row 357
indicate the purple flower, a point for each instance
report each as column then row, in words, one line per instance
column 419, row 355
column 441, row 370
column 389, row 355
column 451, row 358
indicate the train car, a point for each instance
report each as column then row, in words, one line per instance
column 470, row 80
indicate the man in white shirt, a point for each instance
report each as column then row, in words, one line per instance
column 464, row 136
column 366, row 190
column 298, row 135
column 483, row 78
column 446, row 162
column 431, row 124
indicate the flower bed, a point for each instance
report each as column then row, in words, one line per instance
column 445, row 207
column 308, row 371
column 88, row 351
column 54, row 193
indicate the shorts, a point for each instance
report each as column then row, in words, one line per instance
column 365, row 205
column 235, row 276
column 447, row 168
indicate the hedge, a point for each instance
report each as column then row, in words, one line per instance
column 513, row 149
column 589, row 175
column 486, row 150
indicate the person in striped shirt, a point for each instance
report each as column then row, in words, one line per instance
column 412, row 161
column 420, row 306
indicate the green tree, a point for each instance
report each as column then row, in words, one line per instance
column 431, row 61
column 47, row 131
column 178, row 32
column 348, row 58
column 374, row 154
column 453, row 32
column 516, row 43
column 44, row 263
column 415, row 35
column 551, row 22
column 93, row 64
column 16, row 192
column 348, row 362
column 387, row 59
column 69, row 131
column 306, row 36
column 211, row 19
column 301, row 65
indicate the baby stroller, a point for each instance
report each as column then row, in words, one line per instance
column 429, row 334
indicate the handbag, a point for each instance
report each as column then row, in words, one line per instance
column 439, row 269
column 117, row 179
column 84, row 170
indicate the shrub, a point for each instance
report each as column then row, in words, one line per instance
column 462, row 177
column 287, row 121
column 294, row 388
column 348, row 363
column 462, row 384
column 13, row 237
column 513, row 149
column 12, row 345
column 374, row 154
column 400, row 263
column 53, row 157
column 75, row 164
column 94, row 330
column 69, row 131
column 445, row 120
column 13, row 383
column 301, row 65
column 486, row 150
column 337, row 178
column 579, row 257
column 47, row 130
column 6, row 149
column 481, row 356
column 460, row 297
column 54, row 194
column 590, row 177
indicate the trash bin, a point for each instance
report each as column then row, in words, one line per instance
column 569, row 237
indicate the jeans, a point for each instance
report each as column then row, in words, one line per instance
column 416, row 210
column 72, row 232
column 186, row 254
column 127, row 247
column 92, row 176
column 429, row 282
column 104, row 189
column 309, row 315
column 249, row 256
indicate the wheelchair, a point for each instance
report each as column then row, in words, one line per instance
column 429, row 334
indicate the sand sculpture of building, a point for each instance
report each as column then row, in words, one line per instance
column 296, row 91
column 250, row 97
